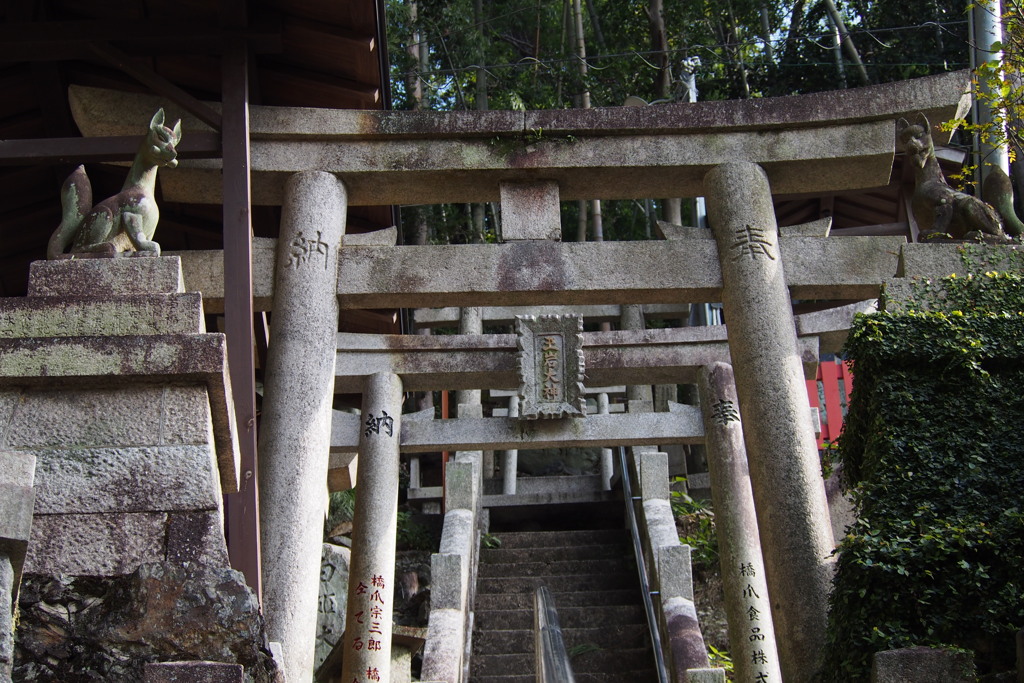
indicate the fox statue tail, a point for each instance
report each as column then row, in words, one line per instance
column 998, row 191
column 76, row 201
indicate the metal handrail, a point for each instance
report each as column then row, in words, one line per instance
column 645, row 586
column 552, row 660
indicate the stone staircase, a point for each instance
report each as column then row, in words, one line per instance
column 593, row 580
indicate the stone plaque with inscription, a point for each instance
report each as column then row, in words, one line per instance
column 332, row 600
column 551, row 366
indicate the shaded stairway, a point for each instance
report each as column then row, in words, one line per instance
column 592, row 577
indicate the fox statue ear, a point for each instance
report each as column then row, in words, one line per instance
column 176, row 133
column 158, row 118
column 902, row 125
column 922, row 120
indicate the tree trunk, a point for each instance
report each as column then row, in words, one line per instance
column 848, row 46
column 733, row 40
column 837, row 50
column 766, row 37
column 481, row 105
column 796, row 20
column 481, row 57
column 413, row 79
column 595, row 23
column 659, row 48
column 581, row 54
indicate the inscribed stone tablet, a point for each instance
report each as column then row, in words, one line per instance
column 551, row 366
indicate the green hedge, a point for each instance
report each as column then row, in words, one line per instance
column 933, row 456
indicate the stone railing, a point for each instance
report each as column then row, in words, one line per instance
column 453, row 574
column 669, row 572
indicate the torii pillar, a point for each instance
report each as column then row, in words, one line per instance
column 785, row 471
column 371, row 590
column 295, row 432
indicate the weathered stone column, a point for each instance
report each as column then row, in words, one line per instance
column 374, row 531
column 295, row 432
column 747, row 606
column 17, row 495
column 632, row 318
column 607, row 457
column 470, row 322
column 792, row 511
column 510, row 463
column 7, row 590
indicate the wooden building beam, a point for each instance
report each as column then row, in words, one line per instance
column 243, row 508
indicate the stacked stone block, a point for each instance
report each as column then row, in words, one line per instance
column 108, row 377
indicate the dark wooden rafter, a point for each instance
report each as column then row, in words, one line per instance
column 156, row 82
column 196, row 145
column 47, row 41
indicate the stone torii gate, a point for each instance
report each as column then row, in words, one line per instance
column 737, row 154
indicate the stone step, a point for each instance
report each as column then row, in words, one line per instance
column 614, row 660
column 568, row 617
column 556, row 584
column 548, row 554
column 639, row 676
column 522, row 640
column 560, row 539
column 635, row 676
column 556, row 568
column 514, row 678
column 617, row 661
column 526, row 486
column 626, row 596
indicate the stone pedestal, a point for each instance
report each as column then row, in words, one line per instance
column 747, row 606
column 295, row 430
column 111, row 385
column 108, row 378
column 367, row 654
column 792, row 511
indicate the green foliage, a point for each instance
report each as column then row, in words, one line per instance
column 697, row 527
column 412, row 535
column 999, row 83
column 490, row 541
column 522, row 56
column 931, row 454
column 722, row 660
column 341, row 508
column 527, row 57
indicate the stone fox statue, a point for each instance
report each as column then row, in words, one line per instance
column 126, row 221
column 938, row 208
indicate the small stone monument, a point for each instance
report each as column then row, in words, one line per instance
column 551, row 366
column 333, row 598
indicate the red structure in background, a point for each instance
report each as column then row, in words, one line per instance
column 831, row 414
